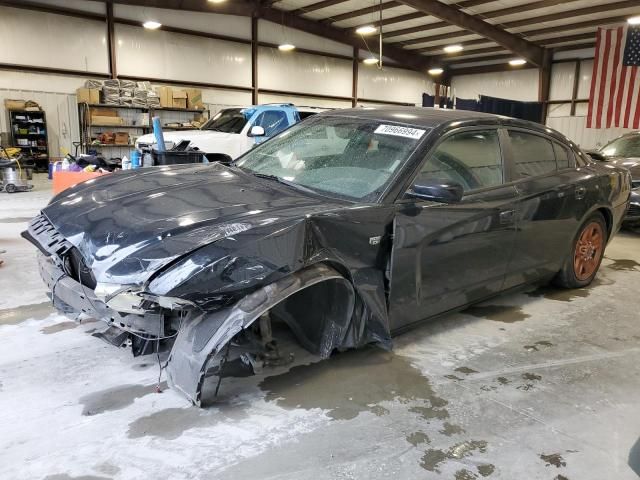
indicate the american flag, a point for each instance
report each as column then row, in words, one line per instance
column 614, row 100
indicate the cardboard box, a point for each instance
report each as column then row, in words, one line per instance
column 14, row 104
column 179, row 99
column 101, row 120
column 122, row 138
column 166, row 96
column 103, row 112
column 88, row 95
column 194, row 98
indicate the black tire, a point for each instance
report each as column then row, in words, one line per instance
column 569, row 276
column 10, row 188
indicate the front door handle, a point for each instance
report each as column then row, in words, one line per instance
column 506, row 217
column 580, row 193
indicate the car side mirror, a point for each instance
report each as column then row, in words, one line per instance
column 437, row 191
column 596, row 155
column 256, row 131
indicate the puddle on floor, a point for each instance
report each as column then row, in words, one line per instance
column 554, row 459
column 13, row 316
column 416, row 438
column 568, row 295
column 59, row 327
column 115, row 398
column 432, row 458
column 359, row 379
column 498, row 313
column 450, row 429
column 623, row 264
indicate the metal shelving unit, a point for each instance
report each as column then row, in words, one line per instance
column 87, row 128
column 29, row 133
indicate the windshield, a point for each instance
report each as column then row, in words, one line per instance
column 230, row 120
column 627, row 146
column 345, row 157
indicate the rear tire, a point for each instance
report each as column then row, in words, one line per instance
column 587, row 250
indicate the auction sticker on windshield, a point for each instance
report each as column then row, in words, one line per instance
column 399, row 131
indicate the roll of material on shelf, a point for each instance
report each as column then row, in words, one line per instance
column 157, row 132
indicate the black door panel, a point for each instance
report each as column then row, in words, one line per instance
column 445, row 256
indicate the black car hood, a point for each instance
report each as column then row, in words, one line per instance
column 129, row 225
column 630, row 163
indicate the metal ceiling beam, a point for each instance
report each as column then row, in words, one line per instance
column 416, row 15
column 536, row 20
column 492, row 14
column 316, row 6
column 533, row 53
column 362, row 11
column 250, row 9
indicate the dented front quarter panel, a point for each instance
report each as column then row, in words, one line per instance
column 215, row 237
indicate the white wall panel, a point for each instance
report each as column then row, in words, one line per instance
column 304, row 73
column 12, row 80
column 166, row 55
column 270, row 32
column 231, row 25
column 559, row 110
column 576, row 129
column 584, row 85
column 562, row 75
column 55, row 41
column 303, row 101
column 517, row 85
column 392, row 84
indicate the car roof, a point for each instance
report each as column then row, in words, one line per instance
column 432, row 118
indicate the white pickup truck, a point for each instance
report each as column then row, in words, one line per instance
column 231, row 132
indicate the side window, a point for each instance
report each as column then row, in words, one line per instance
column 473, row 159
column 533, row 155
column 563, row 159
column 273, row 122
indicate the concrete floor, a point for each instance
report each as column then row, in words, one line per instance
column 537, row 385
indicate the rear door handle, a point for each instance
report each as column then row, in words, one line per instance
column 507, row 216
column 580, row 192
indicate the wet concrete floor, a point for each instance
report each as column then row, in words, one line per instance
column 542, row 384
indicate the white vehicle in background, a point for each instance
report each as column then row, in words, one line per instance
column 233, row 131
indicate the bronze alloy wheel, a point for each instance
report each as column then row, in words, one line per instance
column 589, row 249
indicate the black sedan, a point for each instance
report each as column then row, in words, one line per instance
column 347, row 228
column 624, row 151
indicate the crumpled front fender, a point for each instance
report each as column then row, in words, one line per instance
column 202, row 339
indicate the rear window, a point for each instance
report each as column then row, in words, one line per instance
column 533, row 155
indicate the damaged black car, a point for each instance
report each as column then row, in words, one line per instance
column 347, row 228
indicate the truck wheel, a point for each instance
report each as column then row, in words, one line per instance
column 10, row 188
column 586, row 253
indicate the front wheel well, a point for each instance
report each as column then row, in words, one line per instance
column 608, row 220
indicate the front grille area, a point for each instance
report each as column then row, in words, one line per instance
column 45, row 236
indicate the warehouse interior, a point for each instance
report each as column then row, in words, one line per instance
column 539, row 382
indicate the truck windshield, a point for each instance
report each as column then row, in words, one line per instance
column 230, row 120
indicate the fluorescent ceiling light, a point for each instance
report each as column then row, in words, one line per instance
column 286, row 47
column 370, row 61
column 435, row 71
column 217, row 1
column 634, row 20
column 517, row 61
column 366, row 30
column 453, row 48
column 151, row 25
